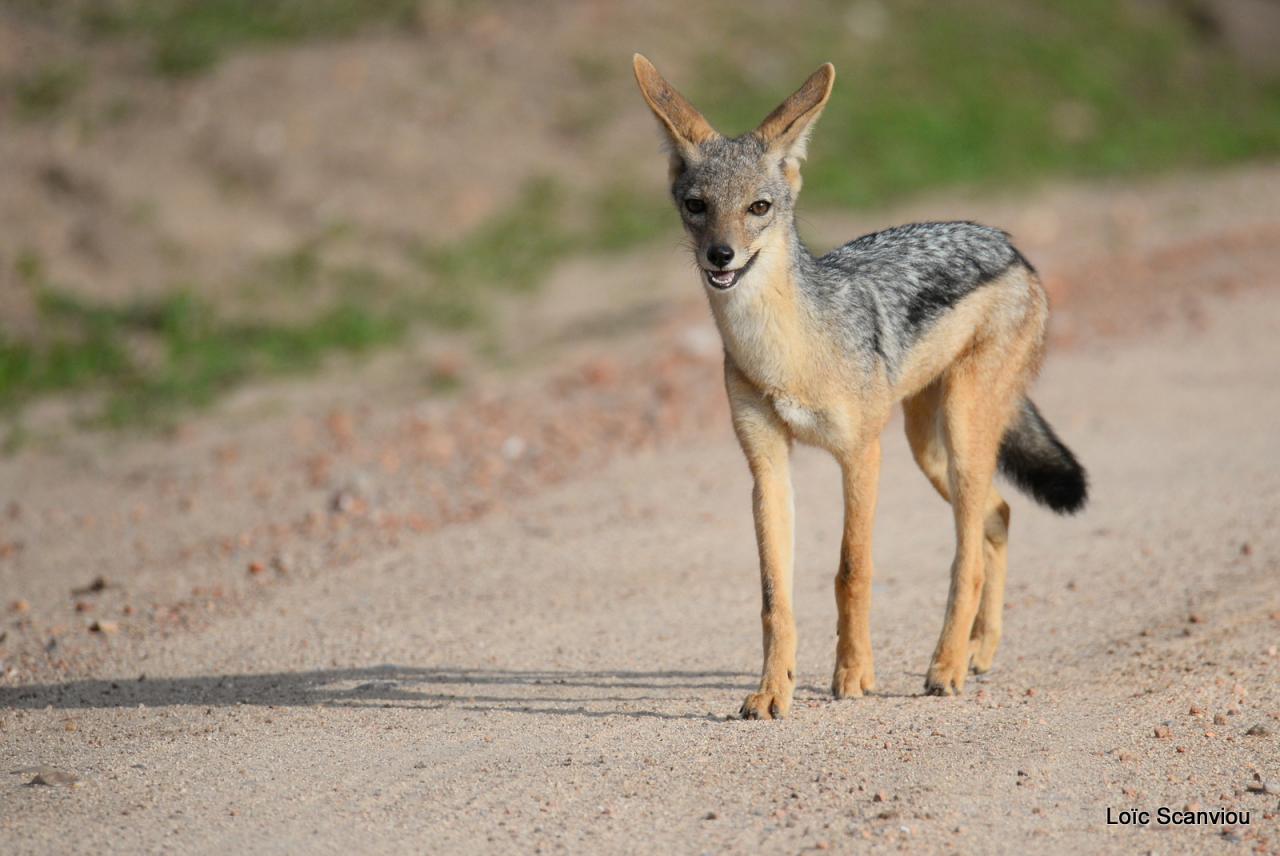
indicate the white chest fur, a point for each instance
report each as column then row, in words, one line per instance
column 801, row 420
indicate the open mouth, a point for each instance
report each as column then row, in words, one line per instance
column 723, row 280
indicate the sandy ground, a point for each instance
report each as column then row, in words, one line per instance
column 295, row 661
column 557, row 675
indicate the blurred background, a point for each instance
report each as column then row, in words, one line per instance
column 197, row 193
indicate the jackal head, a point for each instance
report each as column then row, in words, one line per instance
column 736, row 196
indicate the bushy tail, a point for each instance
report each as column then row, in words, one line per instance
column 1034, row 459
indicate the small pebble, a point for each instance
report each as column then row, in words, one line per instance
column 345, row 502
column 99, row 583
column 1163, row 732
column 1259, row 730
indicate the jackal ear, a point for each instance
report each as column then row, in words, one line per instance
column 685, row 126
column 785, row 131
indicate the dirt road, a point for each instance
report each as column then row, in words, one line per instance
column 555, row 674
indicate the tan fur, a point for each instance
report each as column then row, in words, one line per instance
column 855, row 666
column 673, row 109
column 786, row 357
column 958, row 386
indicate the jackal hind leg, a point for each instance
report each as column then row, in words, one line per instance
column 988, row 624
column 975, row 605
column 924, row 433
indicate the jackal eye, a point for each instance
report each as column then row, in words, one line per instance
column 694, row 206
column 759, row 208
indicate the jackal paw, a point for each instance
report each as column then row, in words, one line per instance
column 766, row 704
column 946, row 676
column 853, row 679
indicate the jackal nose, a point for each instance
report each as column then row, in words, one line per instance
column 719, row 255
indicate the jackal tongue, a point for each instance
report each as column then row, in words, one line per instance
column 722, row 277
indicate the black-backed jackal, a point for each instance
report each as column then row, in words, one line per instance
column 947, row 318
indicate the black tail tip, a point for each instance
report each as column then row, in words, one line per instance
column 1064, row 492
column 1034, row 459
column 1056, row 481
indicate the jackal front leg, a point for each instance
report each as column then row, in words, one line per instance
column 767, row 447
column 855, row 667
column 771, row 504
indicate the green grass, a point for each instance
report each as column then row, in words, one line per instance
column 191, row 353
column 513, row 250
column 955, row 93
column 624, row 217
column 190, row 36
column 149, row 358
column 517, row 248
column 46, row 89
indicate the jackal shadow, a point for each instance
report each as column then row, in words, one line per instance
column 544, row 692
